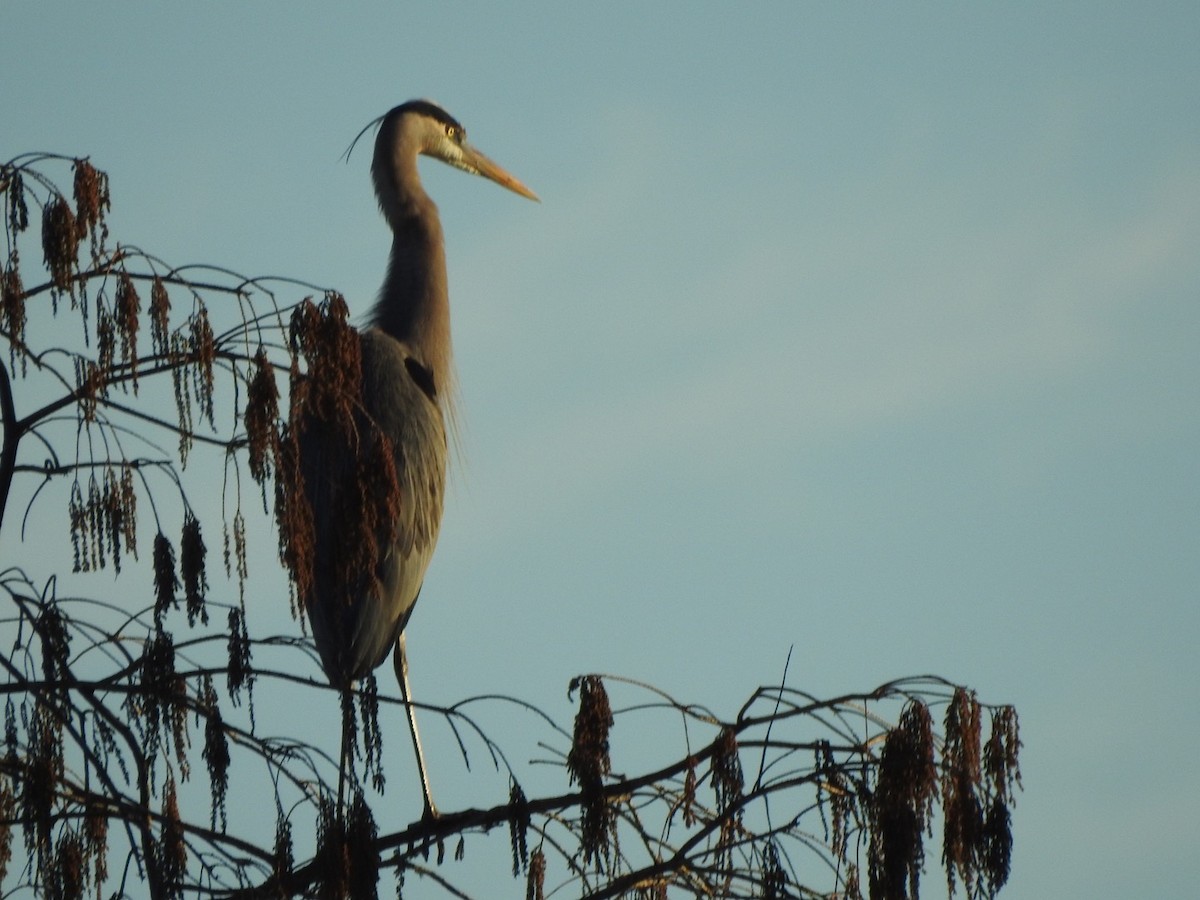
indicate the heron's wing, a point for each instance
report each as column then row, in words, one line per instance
column 357, row 615
column 399, row 398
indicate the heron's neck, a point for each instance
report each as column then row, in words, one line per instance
column 413, row 305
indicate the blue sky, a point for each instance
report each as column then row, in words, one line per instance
column 868, row 330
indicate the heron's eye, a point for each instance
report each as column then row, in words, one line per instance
column 452, row 133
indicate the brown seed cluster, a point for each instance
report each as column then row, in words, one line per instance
column 978, row 781
column 535, row 882
column 323, row 396
column 192, row 553
column 12, row 183
column 321, row 335
column 902, row 804
column 588, row 763
column 126, row 319
column 284, row 856
column 216, row 751
column 728, row 781
column 104, row 524
column 12, row 311
column 160, row 317
column 60, row 243
column 518, row 827
column 346, row 861
column 262, row 418
column 92, row 201
column 348, row 468
column 240, row 673
column 203, row 351
column 8, row 816
column 170, row 857
column 159, row 708
column 165, row 581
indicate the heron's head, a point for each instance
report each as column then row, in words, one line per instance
column 423, row 127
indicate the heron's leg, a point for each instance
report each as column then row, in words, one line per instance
column 347, row 718
column 400, row 661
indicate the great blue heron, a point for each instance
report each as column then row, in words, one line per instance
column 406, row 389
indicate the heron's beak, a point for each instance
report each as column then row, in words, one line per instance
column 481, row 165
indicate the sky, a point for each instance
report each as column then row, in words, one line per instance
column 865, row 330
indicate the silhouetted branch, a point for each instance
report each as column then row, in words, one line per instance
column 11, row 437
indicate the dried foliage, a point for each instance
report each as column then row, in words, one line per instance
column 727, row 782
column 168, row 863
column 283, row 860
column 192, row 553
column 109, row 705
column 977, row 784
column 216, row 751
column 535, row 879
column 104, row 524
column 240, row 674
column 127, row 319
column 12, row 313
column 347, row 858
column 326, row 413
column 60, row 243
column 92, row 201
column 588, row 763
column 902, row 804
column 166, row 583
column 518, row 828
column 262, row 419
column 160, row 318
